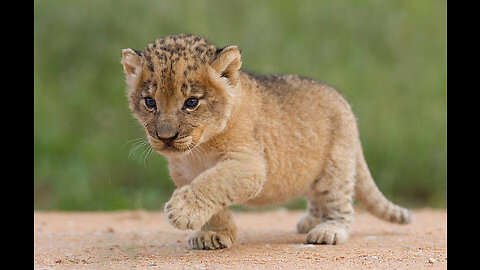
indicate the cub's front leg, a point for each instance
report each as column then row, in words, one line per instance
column 235, row 179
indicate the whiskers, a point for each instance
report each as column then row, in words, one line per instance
column 140, row 149
column 196, row 152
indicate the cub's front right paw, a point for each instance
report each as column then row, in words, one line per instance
column 185, row 212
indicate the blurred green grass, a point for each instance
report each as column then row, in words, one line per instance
column 388, row 58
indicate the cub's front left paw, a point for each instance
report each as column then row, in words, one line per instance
column 186, row 211
column 211, row 240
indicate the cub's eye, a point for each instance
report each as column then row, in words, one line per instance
column 190, row 103
column 150, row 103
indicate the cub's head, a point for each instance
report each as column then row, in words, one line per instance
column 181, row 88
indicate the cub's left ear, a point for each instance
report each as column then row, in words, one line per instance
column 132, row 65
column 227, row 63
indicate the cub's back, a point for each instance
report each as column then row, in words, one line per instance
column 291, row 90
column 299, row 102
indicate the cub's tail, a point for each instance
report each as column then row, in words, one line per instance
column 370, row 197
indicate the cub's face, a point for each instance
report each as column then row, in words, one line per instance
column 180, row 94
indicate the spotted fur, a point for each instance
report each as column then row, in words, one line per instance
column 253, row 140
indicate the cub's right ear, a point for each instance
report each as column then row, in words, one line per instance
column 132, row 66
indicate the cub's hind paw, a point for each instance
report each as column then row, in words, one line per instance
column 211, row 240
column 327, row 234
column 307, row 222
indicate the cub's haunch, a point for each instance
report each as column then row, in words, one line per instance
column 235, row 138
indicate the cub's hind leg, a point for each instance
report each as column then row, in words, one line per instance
column 331, row 194
column 308, row 221
column 334, row 220
column 331, row 203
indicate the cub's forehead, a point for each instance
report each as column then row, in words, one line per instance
column 191, row 50
column 175, row 62
column 151, row 86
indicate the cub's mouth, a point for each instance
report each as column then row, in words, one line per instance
column 180, row 144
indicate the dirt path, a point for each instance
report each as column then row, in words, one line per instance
column 267, row 240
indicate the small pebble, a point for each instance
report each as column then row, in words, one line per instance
column 304, row 246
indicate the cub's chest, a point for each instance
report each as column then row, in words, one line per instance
column 189, row 166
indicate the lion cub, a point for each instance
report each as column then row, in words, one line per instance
column 234, row 138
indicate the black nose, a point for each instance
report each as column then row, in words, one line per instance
column 165, row 140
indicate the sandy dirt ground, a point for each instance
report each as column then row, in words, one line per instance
column 266, row 240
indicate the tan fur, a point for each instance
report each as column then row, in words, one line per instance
column 253, row 140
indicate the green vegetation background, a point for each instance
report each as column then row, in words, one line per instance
column 387, row 57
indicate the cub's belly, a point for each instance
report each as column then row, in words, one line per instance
column 286, row 184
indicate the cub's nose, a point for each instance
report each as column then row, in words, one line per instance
column 167, row 139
